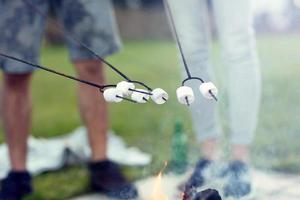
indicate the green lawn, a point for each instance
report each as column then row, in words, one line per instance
column 150, row 127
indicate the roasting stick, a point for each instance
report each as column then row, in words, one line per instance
column 158, row 97
column 187, row 70
column 100, row 87
column 79, row 42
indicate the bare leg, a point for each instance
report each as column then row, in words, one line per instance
column 240, row 152
column 93, row 108
column 17, row 117
column 209, row 149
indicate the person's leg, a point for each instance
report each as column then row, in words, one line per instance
column 21, row 37
column 22, row 33
column 17, row 117
column 192, row 23
column 93, row 107
column 93, row 23
column 17, row 121
column 234, row 21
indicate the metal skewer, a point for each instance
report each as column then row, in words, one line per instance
column 126, row 99
column 142, row 92
column 187, row 101
column 213, row 96
column 189, row 76
column 145, row 99
column 100, row 87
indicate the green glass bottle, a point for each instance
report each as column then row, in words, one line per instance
column 179, row 151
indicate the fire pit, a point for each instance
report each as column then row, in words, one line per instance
column 158, row 193
column 209, row 194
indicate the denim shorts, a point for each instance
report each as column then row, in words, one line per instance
column 22, row 28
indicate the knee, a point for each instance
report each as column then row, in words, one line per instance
column 92, row 70
column 17, row 81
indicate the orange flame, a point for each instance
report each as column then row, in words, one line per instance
column 158, row 193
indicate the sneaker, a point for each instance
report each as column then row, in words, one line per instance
column 209, row 194
column 106, row 178
column 238, row 180
column 201, row 173
column 15, row 186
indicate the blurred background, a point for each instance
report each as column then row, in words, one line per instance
column 145, row 19
column 149, row 53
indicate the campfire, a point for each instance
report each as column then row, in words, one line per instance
column 158, row 193
column 190, row 194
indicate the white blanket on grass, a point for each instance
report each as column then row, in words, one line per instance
column 52, row 154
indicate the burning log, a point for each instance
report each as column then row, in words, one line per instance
column 209, row 194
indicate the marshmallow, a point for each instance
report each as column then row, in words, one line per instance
column 206, row 87
column 159, row 96
column 111, row 95
column 140, row 97
column 185, row 95
column 125, row 87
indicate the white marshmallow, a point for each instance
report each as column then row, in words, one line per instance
column 159, row 96
column 140, row 97
column 125, row 87
column 206, row 87
column 185, row 95
column 111, row 95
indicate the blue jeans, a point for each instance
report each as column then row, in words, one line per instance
column 241, row 67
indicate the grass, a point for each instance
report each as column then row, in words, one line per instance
column 151, row 126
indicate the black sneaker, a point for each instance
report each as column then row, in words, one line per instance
column 238, row 180
column 199, row 176
column 209, row 194
column 202, row 171
column 106, row 178
column 16, row 186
